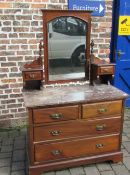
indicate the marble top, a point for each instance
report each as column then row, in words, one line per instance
column 53, row 96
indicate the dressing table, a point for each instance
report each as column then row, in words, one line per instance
column 71, row 122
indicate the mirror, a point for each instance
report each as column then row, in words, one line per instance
column 66, row 48
column 67, row 45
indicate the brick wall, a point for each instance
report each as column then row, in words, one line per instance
column 20, row 33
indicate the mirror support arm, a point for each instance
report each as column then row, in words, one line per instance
column 90, row 62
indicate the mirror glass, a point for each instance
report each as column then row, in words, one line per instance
column 66, row 48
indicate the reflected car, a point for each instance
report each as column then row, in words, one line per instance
column 67, row 39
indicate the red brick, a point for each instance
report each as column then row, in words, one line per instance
column 50, row 6
column 43, row 0
column 33, row 47
column 3, row 76
column 3, row 35
column 27, row 35
column 8, row 91
column 16, row 85
column 21, row 110
column 14, row 69
column 43, row 6
column 5, row 41
column 7, row 23
column 8, row 64
column 33, row 41
column 14, row 110
column 15, row 58
column 16, row 91
column 1, row 91
column 19, row 41
column 4, row 86
column 14, row 106
column 29, row 52
column 8, row 80
column 21, row 29
column 8, row 101
column 36, row 17
column 4, row 69
column 28, row 0
column 16, row 95
column 3, row 47
column 5, row 111
column 13, row 47
column 22, row 17
column 13, row 35
column 20, row 5
column 6, row 29
column 5, row 5
column 6, row 17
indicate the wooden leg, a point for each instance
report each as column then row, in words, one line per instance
column 35, row 171
column 118, row 158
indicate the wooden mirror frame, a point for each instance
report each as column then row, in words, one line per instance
column 49, row 15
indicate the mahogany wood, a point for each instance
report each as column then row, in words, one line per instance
column 65, row 130
column 33, row 72
column 49, row 15
column 90, row 133
column 57, row 165
column 82, row 147
column 51, row 114
column 101, row 70
column 33, row 75
column 72, row 125
column 102, row 109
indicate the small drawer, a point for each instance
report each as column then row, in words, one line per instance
column 33, row 75
column 55, row 114
column 102, row 109
column 85, row 128
column 103, row 70
column 76, row 148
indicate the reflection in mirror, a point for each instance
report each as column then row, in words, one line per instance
column 66, row 48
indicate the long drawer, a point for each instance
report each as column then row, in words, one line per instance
column 55, row 114
column 102, row 109
column 77, row 128
column 76, row 148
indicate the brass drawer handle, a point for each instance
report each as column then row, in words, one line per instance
column 100, row 145
column 100, row 127
column 102, row 110
column 56, row 152
column 56, row 116
column 55, row 133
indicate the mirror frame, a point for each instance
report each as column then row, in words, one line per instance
column 49, row 15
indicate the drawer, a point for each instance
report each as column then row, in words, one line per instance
column 76, row 148
column 102, row 109
column 55, row 114
column 106, row 70
column 85, row 128
column 33, row 75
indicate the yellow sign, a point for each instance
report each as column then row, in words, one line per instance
column 124, row 25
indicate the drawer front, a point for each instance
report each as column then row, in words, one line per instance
column 85, row 128
column 76, row 148
column 106, row 70
column 102, row 109
column 55, row 114
column 37, row 75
